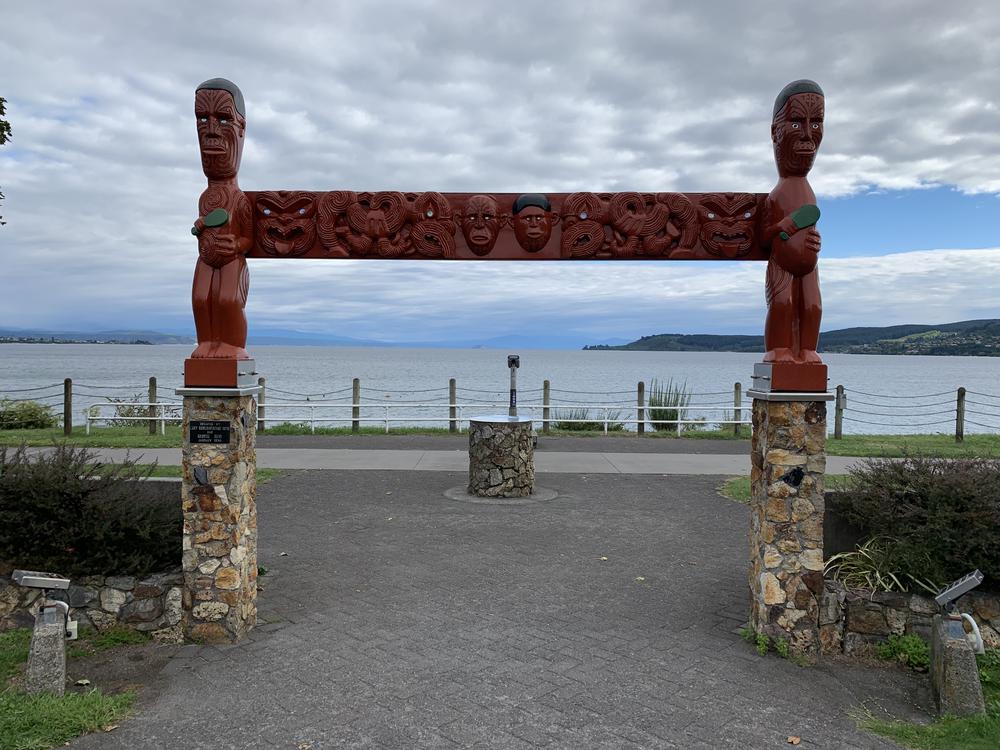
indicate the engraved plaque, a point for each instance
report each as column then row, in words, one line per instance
column 209, row 431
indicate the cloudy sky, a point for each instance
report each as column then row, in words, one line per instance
column 102, row 176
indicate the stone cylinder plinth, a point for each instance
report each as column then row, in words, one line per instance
column 786, row 518
column 501, row 457
column 218, row 495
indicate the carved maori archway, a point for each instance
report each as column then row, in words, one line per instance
column 777, row 227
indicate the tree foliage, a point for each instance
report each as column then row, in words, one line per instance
column 5, row 135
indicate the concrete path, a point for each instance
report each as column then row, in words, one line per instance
column 393, row 617
column 546, row 462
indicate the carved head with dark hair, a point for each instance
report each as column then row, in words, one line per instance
column 221, row 115
column 480, row 223
column 797, row 127
column 533, row 221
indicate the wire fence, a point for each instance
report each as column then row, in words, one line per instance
column 955, row 412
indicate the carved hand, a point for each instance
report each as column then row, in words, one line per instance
column 218, row 249
column 797, row 254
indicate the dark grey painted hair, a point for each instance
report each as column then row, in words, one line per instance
column 224, row 84
column 801, row 86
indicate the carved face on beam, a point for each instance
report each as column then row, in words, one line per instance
column 286, row 222
column 533, row 221
column 727, row 223
column 220, row 133
column 796, row 132
column 481, row 223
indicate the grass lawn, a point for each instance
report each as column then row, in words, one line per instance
column 263, row 475
column 902, row 445
column 738, row 488
column 42, row 721
column 949, row 733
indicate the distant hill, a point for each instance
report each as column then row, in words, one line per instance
column 980, row 338
column 32, row 336
column 260, row 336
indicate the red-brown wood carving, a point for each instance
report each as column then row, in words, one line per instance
column 225, row 235
column 794, row 306
column 508, row 226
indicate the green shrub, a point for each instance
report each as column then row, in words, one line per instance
column 25, row 415
column 65, row 512
column 666, row 404
column 876, row 565
column 942, row 515
column 560, row 417
column 909, row 649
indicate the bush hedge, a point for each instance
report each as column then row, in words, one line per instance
column 25, row 415
column 942, row 516
column 65, row 512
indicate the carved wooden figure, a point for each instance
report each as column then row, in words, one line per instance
column 224, row 230
column 794, row 306
column 778, row 227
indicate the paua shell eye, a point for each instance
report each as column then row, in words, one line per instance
column 795, row 126
column 267, row 212
column 302, row 212
column 746, row 215
column 711, row 215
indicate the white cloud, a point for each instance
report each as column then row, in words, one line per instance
column 102, row 175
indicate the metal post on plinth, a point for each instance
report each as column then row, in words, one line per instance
column 513, row 362
column 218, row 495
column 788, row 453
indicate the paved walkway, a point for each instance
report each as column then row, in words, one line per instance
column 392, row 617
column 546, row 461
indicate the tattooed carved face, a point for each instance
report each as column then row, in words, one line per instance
column 727, row 223
column 481, row 223
column 796, row 132
column 533, row 220
column 220, row 133
column 286, row 222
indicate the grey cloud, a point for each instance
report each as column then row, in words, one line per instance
column 103, row 175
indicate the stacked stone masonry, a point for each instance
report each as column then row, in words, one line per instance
column 853, row 621
column 786, row 521
column 501, row 459
column 151, row 604
column 218, row 497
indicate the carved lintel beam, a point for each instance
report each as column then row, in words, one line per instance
column 507, row 226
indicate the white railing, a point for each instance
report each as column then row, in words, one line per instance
column 312, row 414
column 158, row 411
column 608, row 414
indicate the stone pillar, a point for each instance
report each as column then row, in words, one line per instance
column 220, row 513
column 501, row 457
column 46, row 672
column 786, row 517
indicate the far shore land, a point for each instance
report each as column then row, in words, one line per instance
column 975, row 338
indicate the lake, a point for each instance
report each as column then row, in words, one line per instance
column 898, row 393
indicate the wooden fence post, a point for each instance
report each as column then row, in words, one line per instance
column 356, row 409
column 838, row 416
column 640, row 410
column 452, row 409
column 545, row 407
column 152, row 409
column 261, row 424
column 960, row 416
column 68, row 406
column 737, row 411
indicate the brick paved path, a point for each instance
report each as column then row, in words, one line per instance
column 401, row 619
